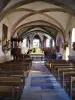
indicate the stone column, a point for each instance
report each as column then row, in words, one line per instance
column 42, row 42
column 51, row 43
column 31, row 43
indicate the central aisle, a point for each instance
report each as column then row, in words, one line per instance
column 41, row 85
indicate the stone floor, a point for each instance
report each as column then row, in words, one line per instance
column 41, row 85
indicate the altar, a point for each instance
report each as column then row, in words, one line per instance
column 37, row 54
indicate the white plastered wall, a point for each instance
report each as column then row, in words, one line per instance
column 4, row 56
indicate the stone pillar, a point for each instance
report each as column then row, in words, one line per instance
column 51, row 43
column 42, row 42
column 31, row 43
column 20, row 44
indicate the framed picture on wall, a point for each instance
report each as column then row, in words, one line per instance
column 4, row 37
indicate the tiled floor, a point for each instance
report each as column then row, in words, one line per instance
column 41, row 85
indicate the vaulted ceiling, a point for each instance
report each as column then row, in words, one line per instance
column 69, row 4
column 21, row 15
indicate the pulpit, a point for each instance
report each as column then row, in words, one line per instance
column 15, row 49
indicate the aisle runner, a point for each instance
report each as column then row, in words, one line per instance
column 43, row 82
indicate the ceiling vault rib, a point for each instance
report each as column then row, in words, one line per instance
column 43, row 23
column 21, row 3
column 28, row 33
column 40, row 26
column 31, row 14
column 9, row 7
column 40, row 11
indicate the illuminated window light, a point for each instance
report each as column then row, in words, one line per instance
column 36, row 43
column 67, row 53
column 48, row 43
column 73, row 35
column 24, row 43
column 53, row 43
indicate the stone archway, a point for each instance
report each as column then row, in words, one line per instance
column 36, row 41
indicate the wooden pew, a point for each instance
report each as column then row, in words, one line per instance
column 10, row 85
column 57, row 68
column 14, row 73
column 62, row 64
column 51, row 62
column 9, row 74
column 60, row 72
column 62, row 69
column 19, row 64
column 72, row 85
column 7, row 92
column 13, row 67
column 66, row 77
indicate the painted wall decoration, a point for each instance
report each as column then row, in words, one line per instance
column 4, row 37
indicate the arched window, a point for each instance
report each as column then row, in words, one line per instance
column 73, row 35
column 47, row 42
column 24, row 43
column 67, row 53
column 24, row 49
column 73, row 39
column 53, row 43
column 36, row 43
